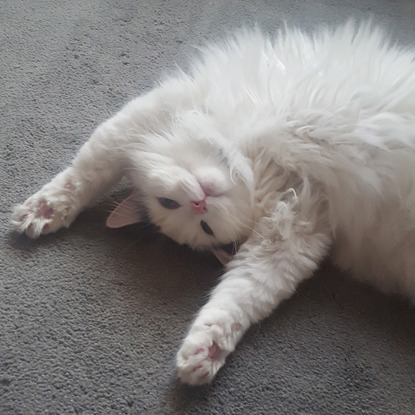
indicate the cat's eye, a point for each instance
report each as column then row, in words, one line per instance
column 206, row 228
column 168, row 203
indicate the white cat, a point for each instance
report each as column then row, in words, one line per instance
column 291, row 147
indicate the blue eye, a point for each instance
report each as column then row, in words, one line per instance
column 168, row 203
column 206, row 228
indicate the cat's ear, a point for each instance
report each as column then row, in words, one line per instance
column 126, row 213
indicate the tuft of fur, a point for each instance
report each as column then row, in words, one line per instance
column 296, row 145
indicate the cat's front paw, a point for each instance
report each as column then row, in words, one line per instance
column 204, row 351
column 44, row 212
column 199, row 358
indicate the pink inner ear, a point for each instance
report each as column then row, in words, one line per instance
column 126, row 213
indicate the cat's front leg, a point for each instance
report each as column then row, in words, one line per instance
column 99, row 164
column 213, row 335
column 267, row 270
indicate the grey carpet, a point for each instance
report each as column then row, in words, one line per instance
column 91, row 318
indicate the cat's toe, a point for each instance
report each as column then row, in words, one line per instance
column 199, row 358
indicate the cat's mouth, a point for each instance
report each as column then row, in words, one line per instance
column 224, row 253
column 230, row 248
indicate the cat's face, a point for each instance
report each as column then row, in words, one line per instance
column 189, row 193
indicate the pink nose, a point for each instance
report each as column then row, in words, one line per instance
column 199, row 207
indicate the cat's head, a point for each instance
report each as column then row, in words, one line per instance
column 195, row 189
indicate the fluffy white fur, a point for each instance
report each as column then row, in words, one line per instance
column 298, row 145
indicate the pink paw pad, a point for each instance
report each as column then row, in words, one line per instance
column 236, row 326
column 214, row 351
column 44, row 210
